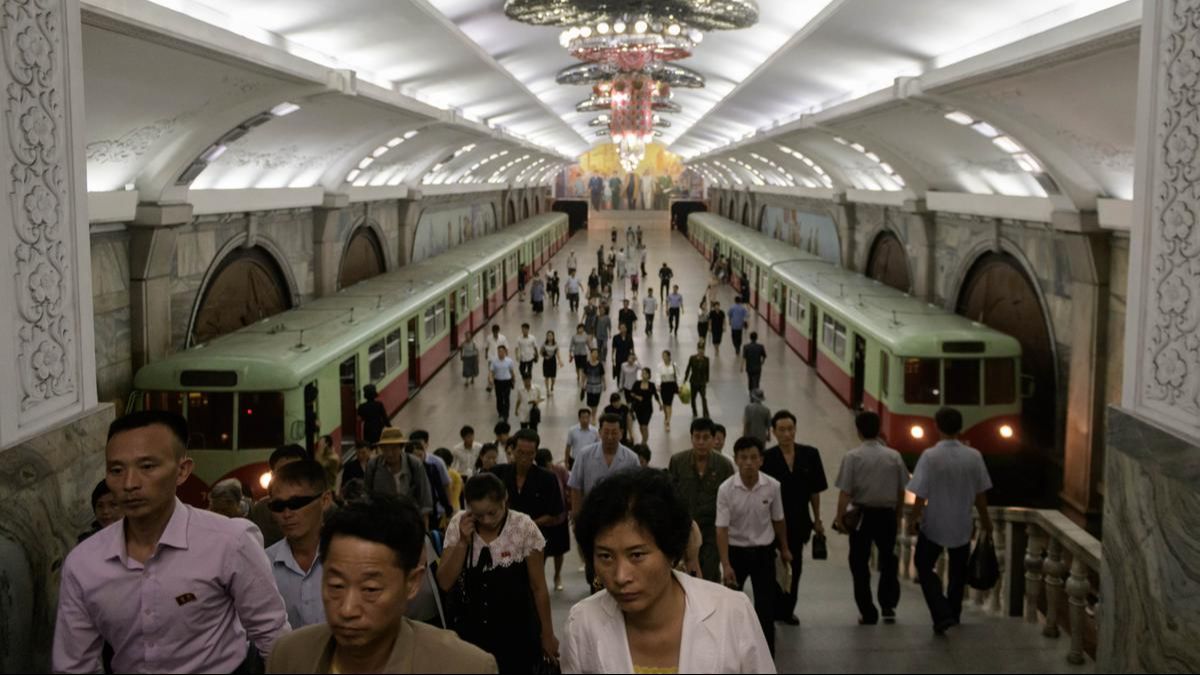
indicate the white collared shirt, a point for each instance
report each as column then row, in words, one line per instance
column 527, row 348
column 749, row 512
column 464, row 458
column 526, row 398
column 301, row 591
column 721, row 634
column 949, row 476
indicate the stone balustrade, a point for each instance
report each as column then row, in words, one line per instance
column 1047, row 563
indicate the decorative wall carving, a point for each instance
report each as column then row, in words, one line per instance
column 36, row 124
column 132, row 144
column 1171, row 356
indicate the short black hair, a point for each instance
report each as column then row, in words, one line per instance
column 544, row 458
column 949, row 421
column 501, row 428
column 527, row 435
column 582, row 411
column 610, row 418
column 754, row 336
column 391, row 520
column 782, row 415
column 702, row 424
column 615, row 396
column 467, row 430
column 289, row 451
column 419, row 436
column 306, row 472
column 485, row 485
column 747, row 442
column 645, row 496
column 144, row 418
column 868, row 424
column 719, row 429
column 445, row 455
column 99, row 491
column 642, row 450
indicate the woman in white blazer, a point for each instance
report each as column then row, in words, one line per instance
column 649, row 617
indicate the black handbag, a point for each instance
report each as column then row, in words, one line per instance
column 820, row 550
column 983, row 569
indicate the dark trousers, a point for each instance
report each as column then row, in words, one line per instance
column 735, row 334
column 755, row 378
column 786, row 606
column 878, row 528
column 503, row 389
column 758, row 564
column 948, row 606
column 673, row 320
column 699, row 391
column 573, row 301
column 526, row 369
column 649, row 324
column 664, row 287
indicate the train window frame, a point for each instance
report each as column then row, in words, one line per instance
column 273, row 415
column 935, row 368
column 439, row 317
column 989, row 390
column 429, row 322
column 884, row 374
column 377, row 360
column 957, row 392
column 180, row 396
column 841, row 338
column 827, row 331
column 208, row 425
column 394, row 340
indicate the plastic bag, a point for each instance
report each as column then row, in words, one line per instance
column 685, row 393
column 983, row 569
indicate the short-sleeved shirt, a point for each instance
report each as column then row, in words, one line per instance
column 593, row 374
column 578, row 438
column 755, row 354
column 630, row 374
column 737, row 317
column 492, row 345
column 674, row 301
column 518, row 538
column 622, row 346
column 665, row 274
column 573, row 286
column 700, row 492
column 649, row 305
column 873, row 475
column 749, row 512
column 301, row 590
column 502, row 369
column 579, row 345
column 540, row 495
column 527, row 348
column 464, row 457
column 590, row 468
column 758, row 421
column 805, row 479
column 949, row 476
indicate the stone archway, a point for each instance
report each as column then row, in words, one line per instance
column 246, row 287
column 746, row 214
column 888, row 262
column 512, row 212
column 362, row 259
column 525, row 208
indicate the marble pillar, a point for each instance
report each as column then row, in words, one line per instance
column 921, row 226
column 328, row 243
column 1150, row 618
column 846, row 219
column 409, row 215
column 151, row 261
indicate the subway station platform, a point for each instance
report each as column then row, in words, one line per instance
column 828, row 638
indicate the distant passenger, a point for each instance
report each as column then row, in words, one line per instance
column 716, row 327
column 105, row 507
column 649, row 307
column 395, row 472
column 466, row 452
column 371, row 552
column 737, row 323
column 502, row 376
column 665, row 274
column 372, row 414
column 696, row 375
column 573, row 287
column 756, row 418
column 872, row 480
column 719, row 436
column 668, row 386
column 674, row 309
column 753, row 358
column 948, row 480
column 492, row 345
column 470, row 361
column 173, row 589
column 299, row 499
column 697, row 474
column 580, row 436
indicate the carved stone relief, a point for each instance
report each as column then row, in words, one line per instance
column 132, row 144
column 36, row 124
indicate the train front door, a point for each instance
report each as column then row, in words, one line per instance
column 348, row 381
column 414, row 356
column 813, row 336
column 454, row 321
column 860, row 372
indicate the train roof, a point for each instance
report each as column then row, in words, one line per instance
column 906, row 325
column 285, row 350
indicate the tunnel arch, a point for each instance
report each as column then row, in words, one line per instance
column 888, row 262
column 245, row 285
column 362, row 257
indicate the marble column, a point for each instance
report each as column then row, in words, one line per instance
column 51, row 425
column 328, row 243
column 921, row 226
column 1150, row 617
column 846, row 219
column 409, row 216
column 151, row 260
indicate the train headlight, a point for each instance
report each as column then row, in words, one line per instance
column 265, row 480
column 1006, row 432
column 917, row 432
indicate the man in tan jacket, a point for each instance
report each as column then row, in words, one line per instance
column 371, row 551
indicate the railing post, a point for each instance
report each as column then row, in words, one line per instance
column 1000, row 539
column 1054, row 572
column 1033, row 572
column 1078, row 587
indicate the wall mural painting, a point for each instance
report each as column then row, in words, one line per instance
column 599, row 179
column 815, row 233
column 438, row 231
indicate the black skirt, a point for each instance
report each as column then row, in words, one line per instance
column 549, row 367
column 668, row 390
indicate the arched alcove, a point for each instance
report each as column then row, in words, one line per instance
column 246, row 287
column 362, row 259
column 512, row 213
column 888, row 262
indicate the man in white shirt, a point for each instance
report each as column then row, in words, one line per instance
column 580, row 436
column 529, row 398
column 749, row 526
column 573, row 287
column 571, row 263
column 872, row 480
column 502, row 370
column 649, row 307
column 949, row 478
column 466, row 452
column 674, row 308
column 491, row 346
column 527, row 351
column 631, row 372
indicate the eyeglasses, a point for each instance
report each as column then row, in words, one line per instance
column 293, row 504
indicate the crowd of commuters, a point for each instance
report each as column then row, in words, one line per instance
column 398, row 557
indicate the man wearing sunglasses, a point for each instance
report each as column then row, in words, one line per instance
column 299, row 499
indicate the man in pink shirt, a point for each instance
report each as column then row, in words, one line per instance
column 173, row 589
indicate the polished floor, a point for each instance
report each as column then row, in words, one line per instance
column 828, row 638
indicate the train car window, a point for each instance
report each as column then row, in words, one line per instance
column 430, row 323
column 476, row 289
column 164, row 400
column 827, row 337
column 208, row 378
column 210, row 420
column 439, row 321
column 839, row 344
column 963, row 380
column 922, row 381
column 1000, row 379
column 492, row 285
column 260, row 420
column 377, row 361
column 393, row 350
